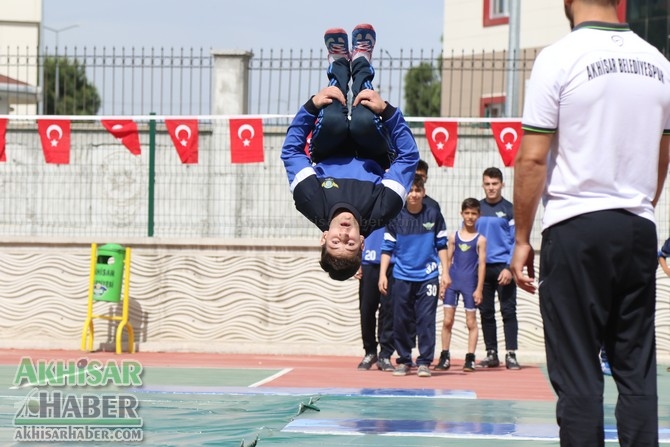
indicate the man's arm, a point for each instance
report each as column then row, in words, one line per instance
column 663, row 162
column 530, row 175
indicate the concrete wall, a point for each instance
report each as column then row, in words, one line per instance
column 216, row 295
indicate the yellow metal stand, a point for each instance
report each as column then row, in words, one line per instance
column 87, row 334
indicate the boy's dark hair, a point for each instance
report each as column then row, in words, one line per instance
column 470, row 204
column 422, row 166
column 340, row 269
column 418, row 182
column 493, row 173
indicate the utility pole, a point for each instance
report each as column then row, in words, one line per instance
column 512, row 96
column 57, row 31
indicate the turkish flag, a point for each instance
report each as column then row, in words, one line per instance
column 246, row 140
column 3, row 139
column 55, row 136
column 442, row 138
column 184, row 134
column 126, row 132
column 508, row 138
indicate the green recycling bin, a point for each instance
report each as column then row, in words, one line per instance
column 108, row 279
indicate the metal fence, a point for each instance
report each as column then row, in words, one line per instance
column 107, row 192
column 178, row 81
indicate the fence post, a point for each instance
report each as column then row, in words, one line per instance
column 230, row 82
column 152, row 174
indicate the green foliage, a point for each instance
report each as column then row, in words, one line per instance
column 423, row 90
column 76, row 96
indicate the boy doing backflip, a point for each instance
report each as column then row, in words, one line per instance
column 466, row 258
column 362, row 162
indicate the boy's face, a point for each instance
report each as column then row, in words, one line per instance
column 416, row 195
column 470, row 216
column 343, row 238
column 493, row 188
column 423, row 174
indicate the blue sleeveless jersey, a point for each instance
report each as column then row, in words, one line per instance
column 463, row 270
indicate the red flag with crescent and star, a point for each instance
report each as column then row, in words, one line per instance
column 184, row 134
column 508, row 138
column 55, row 137
column 3, row 139
column 246, row 140
column 442, row 138
column 126, row 132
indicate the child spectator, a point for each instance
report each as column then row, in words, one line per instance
column 466, row 260
column 417, row 237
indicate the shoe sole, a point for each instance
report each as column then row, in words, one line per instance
column 468, row 370
column 423, row 375
column 399, row 374
column 441, row 368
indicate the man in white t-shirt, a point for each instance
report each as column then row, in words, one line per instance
column 595, row 148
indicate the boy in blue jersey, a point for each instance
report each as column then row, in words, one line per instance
column 370, row 301
column 466, row 258
column 417, row 237
column 496, row 223
column 362, row 162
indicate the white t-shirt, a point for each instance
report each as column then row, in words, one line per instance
column 605, row 92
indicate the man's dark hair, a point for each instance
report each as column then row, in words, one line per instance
column 470, row 204
column 339, row 269
column 422, row 166
column 493, row 173
column 418, row 182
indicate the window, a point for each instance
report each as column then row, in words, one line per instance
column 496, row 12
column 492, row 106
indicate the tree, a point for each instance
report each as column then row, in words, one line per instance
column 423, row 89
column 76, row 96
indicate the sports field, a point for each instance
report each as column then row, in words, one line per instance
column 259, row 400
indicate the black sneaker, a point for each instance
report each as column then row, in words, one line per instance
column 401, row 370
column 367, row 362
column 491, row 360
column 511, row 362
column 444, row 363
column 384, row 364
column 469, row 365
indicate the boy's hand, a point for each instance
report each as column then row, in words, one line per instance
column 371, row 100
column 445, row 282
column 327, row 96
column 383, row 284
column 477, row 295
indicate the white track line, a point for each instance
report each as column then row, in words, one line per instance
column 271, row 378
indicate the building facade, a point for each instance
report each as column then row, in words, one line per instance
column 20, row 24
column 477, row 62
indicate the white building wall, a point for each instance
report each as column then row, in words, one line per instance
column 20, row 23
column 542, row 22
